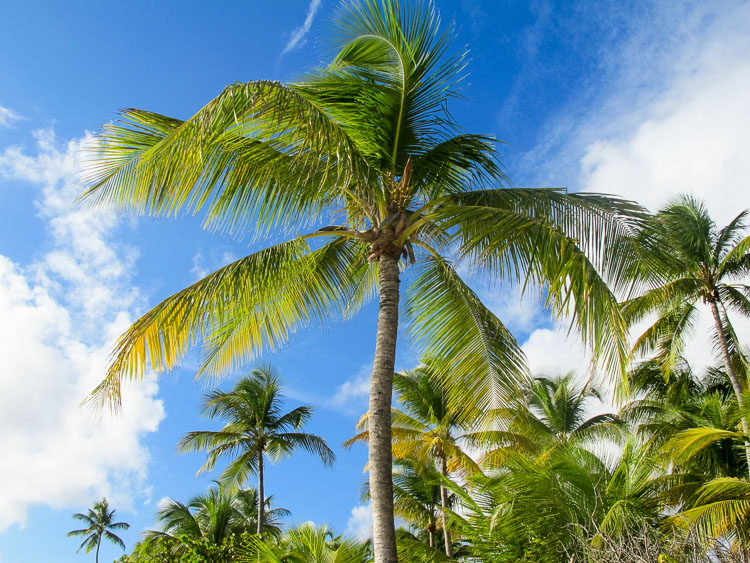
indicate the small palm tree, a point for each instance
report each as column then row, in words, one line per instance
column 213, row 516
column 100, row 520
column 557, row 413
column 427, row 429
column 692, row 261
column 255, row 428
column 553, row 413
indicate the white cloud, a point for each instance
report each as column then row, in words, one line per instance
column 552, row 352
column 8, row 117
column 351, row 396
column 673, row 120
column 58, row 319
column 694, row 142
column 359, row 524
column 298, row 35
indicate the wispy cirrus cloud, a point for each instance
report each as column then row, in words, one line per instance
column 8, row 117
column 297, row 38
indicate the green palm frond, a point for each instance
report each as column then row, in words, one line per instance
column 562, row 242
column 472, row 350
column 721, row 507
column 692, row 441
column 235, row 159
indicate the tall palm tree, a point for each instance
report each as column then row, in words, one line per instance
column 695, row 262
column 100, row 520
column 366, row 141
column 255, row 428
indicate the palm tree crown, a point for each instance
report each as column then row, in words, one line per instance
column 256, row 427
column 215, row 516
column 368, row 141
column 100, row 520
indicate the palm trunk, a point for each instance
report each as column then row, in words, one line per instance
column 98, row 545
column 444, row 504
column 379, row 417
column 736, row 385
column 261, row 499
column 431, row 533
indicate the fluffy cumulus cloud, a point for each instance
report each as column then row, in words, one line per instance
column 359, row 524
column 679, row 127
column 60, row 315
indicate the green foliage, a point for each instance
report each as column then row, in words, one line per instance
column 194, row 550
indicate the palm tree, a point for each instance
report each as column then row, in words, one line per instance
column 100, row 520
column 368, row 142
column 427, row 429
column 213, row 516
column 317, row 544
column 255, row 428
column 692, row 261
column 557, row 413
column 417, row 495
column 552, row 413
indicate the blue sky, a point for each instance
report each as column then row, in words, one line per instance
column 643, row 99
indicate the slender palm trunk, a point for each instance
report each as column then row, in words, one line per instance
column 431, row 533
column 98, row 545
column 379, row 418
column 261, row 498
column 444, row 504
column 736, row 385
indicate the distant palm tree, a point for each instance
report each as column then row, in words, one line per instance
column 317, row 544
column 427, row 429
column 552, row 413
column 558, row 412
column 100, row 520
column 214, row 516
column 692, row 261
column 417, row 495
column 255, row 428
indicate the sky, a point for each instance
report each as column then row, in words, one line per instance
column 641, row 99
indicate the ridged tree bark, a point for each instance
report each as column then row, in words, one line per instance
column 379, row 418
column 736, row 385
column 261, row 499
column 444, row 504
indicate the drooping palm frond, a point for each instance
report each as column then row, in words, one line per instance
column 720, row 507
column 573, row 245
column 472, row 350
column 237, row 159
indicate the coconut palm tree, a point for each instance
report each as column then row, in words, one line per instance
column 100, row 520
column 552, row 413
column 692, row 261
column 214, row 516
column 427, row 429
column 255, row 428
column 417, row 495
column 366, row 142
